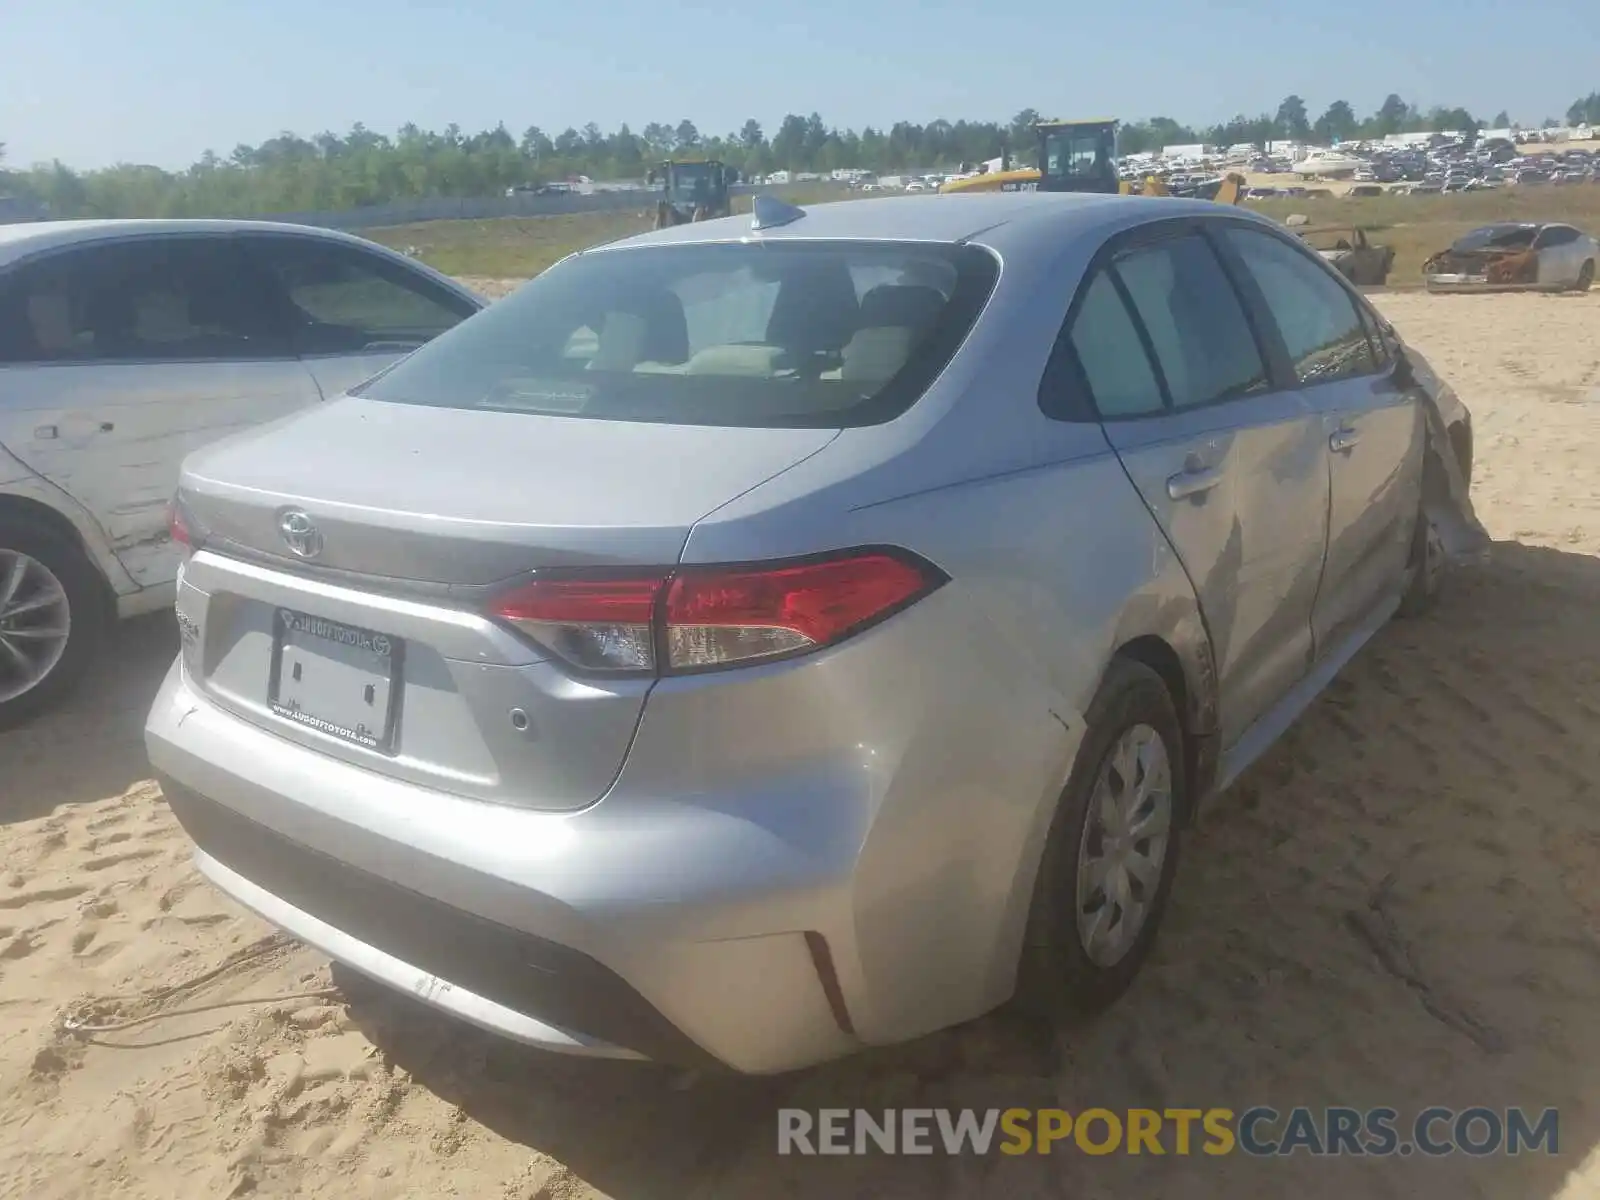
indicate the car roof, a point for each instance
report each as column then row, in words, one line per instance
column 1004, row 220
column 1505, row 227
column 27, row 238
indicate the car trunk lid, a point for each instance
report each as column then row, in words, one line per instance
column 377, row 648
column 436, row 495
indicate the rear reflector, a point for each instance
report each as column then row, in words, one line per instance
column 701, row 618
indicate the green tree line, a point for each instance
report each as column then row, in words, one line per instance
column 1585, row 111
column 290, row 173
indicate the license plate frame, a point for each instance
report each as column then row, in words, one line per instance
column 348, row 654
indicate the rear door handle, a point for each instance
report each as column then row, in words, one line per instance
column 1195, row 482
column 1343, row 439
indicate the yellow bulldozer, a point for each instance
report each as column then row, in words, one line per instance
column 1081, row 156
column 692, row 189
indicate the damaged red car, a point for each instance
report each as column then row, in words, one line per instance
column 1515, row 256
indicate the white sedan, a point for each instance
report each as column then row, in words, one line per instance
column 1515, row 256
column 126, row 344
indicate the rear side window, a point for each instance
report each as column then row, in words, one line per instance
column 1108, row 348
column 147, row 300
column 1555, row 235
column 1315, row 314
column 818, row 334
column 344, row 301
column 1195, row 321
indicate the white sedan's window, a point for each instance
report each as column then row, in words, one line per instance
column 156, row 299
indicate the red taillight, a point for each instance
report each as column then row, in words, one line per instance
column 716, row 616
column 706, row 617
column 178, row 527
column 597, row 624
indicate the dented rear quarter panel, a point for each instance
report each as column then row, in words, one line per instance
column 27, row 490
column 112, row 436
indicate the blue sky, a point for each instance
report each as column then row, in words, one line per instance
column 98, row 81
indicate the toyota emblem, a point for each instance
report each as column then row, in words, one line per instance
column 300, row 533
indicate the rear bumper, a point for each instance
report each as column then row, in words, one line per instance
column 483, row 972
column 810, row 858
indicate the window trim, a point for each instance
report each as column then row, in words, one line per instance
column 17, row 269
column 1118, row 245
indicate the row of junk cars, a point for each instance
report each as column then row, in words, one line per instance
column 1449, row 168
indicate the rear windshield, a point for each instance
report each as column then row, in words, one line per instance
column 823, row 333
column 1497, row 237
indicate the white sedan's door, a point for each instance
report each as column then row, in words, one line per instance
column 1562, row 252
column 123, row 356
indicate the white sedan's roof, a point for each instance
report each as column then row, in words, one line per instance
column 30, row 236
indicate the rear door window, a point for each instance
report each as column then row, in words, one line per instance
column 1195, row 321
column 1555, row 235
column 1317, row 317
column 155, row 299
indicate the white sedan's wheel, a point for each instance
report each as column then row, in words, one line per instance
column 52, row 618
column 35, row 623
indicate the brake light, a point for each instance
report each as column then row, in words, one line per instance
column 597, row 624
column 699, row 618
column 178, row 527
column 720, row 616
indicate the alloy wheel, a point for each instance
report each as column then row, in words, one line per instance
column 35, row 623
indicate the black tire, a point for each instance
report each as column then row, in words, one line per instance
column 1056, row 975
column 87, row 609
column 1427, row 568
column 1585, row 277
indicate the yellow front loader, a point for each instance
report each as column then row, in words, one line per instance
column 1081, row 156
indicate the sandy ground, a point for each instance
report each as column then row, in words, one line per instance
column 1398, row 906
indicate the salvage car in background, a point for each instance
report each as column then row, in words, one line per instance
column 126, row 344
column 1350, row 253
column 756, row 640
column 1515, row 256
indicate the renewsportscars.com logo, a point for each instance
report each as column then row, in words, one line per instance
column 1259, row 1131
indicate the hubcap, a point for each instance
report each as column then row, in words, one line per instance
column 1124, row 844
column 35, row 623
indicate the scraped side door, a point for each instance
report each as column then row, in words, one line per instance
column 1561, row 254
column 1373, row 425
column 120, row 357
column 1234, row 471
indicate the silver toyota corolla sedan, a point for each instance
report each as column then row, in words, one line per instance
column 761, row 639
